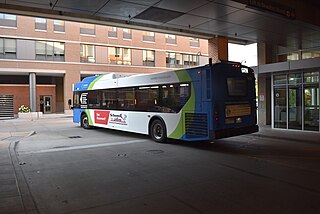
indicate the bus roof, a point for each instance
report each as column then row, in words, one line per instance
column 111, row 80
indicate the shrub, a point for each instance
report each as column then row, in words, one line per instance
column 24, row 109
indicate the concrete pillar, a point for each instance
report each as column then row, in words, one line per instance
column 264, row 84
column 71, row 77
column 218, row 48
column 267, row 53
column 261, row 53
column 33, row 92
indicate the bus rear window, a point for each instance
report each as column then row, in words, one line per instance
column 237, row 86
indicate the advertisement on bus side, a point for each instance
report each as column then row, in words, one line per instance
column 109, row 117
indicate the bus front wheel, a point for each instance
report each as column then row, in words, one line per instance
column 158, row 131
column 85, row 122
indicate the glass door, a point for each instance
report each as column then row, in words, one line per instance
column 295, row 108
column 311, row 108
column 47, row 104
column 280, row 108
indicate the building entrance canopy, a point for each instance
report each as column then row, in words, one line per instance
column 294, row 26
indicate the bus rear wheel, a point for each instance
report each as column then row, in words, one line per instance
column 158, row 131
column 85, row 122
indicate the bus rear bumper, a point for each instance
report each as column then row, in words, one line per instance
column 235, row 131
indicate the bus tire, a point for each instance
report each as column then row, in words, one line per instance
column 85, row 122
column 158, row 131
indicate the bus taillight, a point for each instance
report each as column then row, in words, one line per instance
column 216, row 118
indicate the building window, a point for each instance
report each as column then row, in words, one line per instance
column 40, row 24
column 87, row 29
column 194, row 42
column 49, row 51
column 112, row 32
column 148, row 36
column 190, row 60
column 174, row 60
column 148, row 58
column 127, row 33
column 119, row 56
column 8, row 48
column 8, row 20
column 310, row 54
column 171, row 39
column 178, row 60
column 87, row 53
column 58, row 26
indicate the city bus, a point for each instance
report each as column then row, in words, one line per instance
column 194, row 104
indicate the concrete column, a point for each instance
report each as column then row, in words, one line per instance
column 71, row 77
column 261, row 53
column 33, row 92
column 267, row 53
column 264, row 83
column 218, row 48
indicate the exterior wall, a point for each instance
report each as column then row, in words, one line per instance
column 21, row 94
column 266, row 109
column 218, row 48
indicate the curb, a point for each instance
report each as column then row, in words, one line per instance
column 27, row 199
column 285, row 138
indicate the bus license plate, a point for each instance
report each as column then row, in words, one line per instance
column 238, row 110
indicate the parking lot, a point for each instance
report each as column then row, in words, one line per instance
column 62, row 168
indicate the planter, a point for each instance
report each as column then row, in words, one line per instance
column 30, row 115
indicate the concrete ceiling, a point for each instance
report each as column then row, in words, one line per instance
column 243, row 20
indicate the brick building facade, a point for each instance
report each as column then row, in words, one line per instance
column 61, row 53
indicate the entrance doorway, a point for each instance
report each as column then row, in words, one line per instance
column 296, row 101
column 46, row 104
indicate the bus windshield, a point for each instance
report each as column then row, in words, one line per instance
column 237, row 86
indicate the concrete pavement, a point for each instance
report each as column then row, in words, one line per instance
column 14, row 193
column 14, row 190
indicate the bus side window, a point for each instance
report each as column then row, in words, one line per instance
column 76, row 100
column 126, row 98
column 94, row 99
column 147, row 98
column 109, row 99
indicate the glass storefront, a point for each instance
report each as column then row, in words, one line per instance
column 296, row 101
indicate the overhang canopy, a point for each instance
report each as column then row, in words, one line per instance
column 292, row 24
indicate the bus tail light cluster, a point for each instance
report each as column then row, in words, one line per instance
column 216, row 118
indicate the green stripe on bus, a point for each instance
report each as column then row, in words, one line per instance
column 94, row 81
column 189, row 106
column 183, row 76
column 89, row 117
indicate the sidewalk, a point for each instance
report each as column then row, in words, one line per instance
column 290, row 135
column 14, row 192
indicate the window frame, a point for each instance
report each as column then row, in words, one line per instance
column 40, row 24
column 8, row 20
column 50, row 54
column 85, row 58
column 145, row 56
column 87, row 29
column 58, row 27
column 5, row 53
